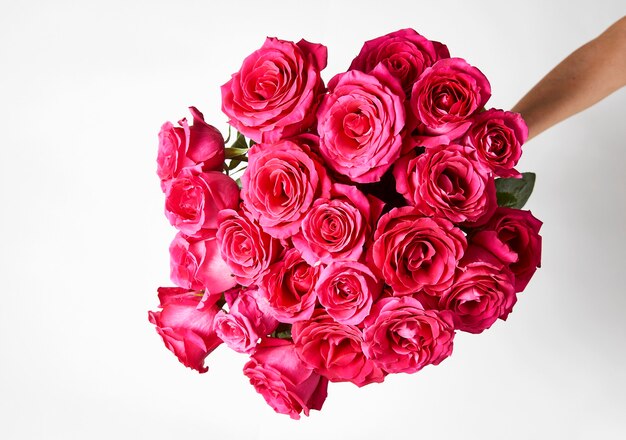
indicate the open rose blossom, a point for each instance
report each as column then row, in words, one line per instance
column 361, row 123
column 334, row 350
column 401, row 337
column 286, row 383
column 498, row 136
column 186, row 325
column 276, row 91
column 405, row 53
column 413, row 252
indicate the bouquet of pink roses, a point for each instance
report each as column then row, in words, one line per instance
column 348, row 229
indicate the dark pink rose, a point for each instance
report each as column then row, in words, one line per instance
column 405, row 53
column 286, row 383
column 401, row 337
column 361, row 123
column 447, row 181
column 192, row 201
column 482, row 292
column 199, row 147
column 444, row 99
column 288, row 288
column 280, row 185
column 244, row 324
column 246, row 248
column 277, row 90
column 414, row 253
column 334, row 350
column 513, row 236
column 186, row 325
column 347, row 289
column 337, row 228
column 498, row 136
column 196, row 263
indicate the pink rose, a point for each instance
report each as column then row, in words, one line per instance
column 245, row 247
column 414, row 253
column 288, row 288
column 401, row 337
column 498, row 136
column 482, row 292
column 186, row 325
column 195, row 263
column 405, row 53
column 513, row 236
column 192, row 201
column 347, row 289
column 447, row 181
column 244, row 324
column 280, row 185
column 286, row 383
column 277, row 90
column 334, row 350
column 337, row 228
column 199, row 147
column 361, row 123
column 444, row 99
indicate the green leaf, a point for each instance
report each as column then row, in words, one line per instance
column 282, row 332
column 229, row 133
column 240, row 142
column 231, row 152
column 513, row 192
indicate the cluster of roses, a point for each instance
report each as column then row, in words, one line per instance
column 366, row 229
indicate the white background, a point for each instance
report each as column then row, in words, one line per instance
column 84, row 88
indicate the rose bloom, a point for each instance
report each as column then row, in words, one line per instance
column 288, row 288
column 447, row 181
column 401, row 337
column 347, row 289
column 199, row 147
column 276, row 91
column 498, row 136
column 196, row 263
column 334, row 350
column 413, row 252
column 245, row 247
column 286, row 383
column 361, row 122
column 280, row 184
column 512, row 235
column 337, row 228
column 192, row 201
column 445, row 97
column 482, row 292
column 186, row 325
column 405, row 53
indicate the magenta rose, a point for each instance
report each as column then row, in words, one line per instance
column 401, row 337
column 199, row 147
column 277, row 90
column 288, row 289
column 196, row 263
column 334, row 350
column 186, row 325
column 347, row 289
column 405, row 53
column 286, row 383
column 498, row 136
column 513, row 236
column 482, row 292
column 444, row 99
column 337, row 228
column 414, row 253
column 245, row 247
column 361, row 123
column 447, row 181
column 192, row 201
column 280, row 185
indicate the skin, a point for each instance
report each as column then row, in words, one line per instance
column 587, row 76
